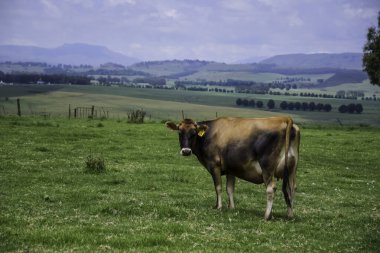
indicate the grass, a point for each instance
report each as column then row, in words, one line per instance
column 168, row 104
column 150, row 199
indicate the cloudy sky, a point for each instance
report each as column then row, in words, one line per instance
column 219, row 30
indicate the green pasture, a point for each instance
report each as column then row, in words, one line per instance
column 153, row 200
column 168, row 104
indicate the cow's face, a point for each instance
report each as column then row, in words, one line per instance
column 189, row 131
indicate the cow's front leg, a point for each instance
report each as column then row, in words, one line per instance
column 230, row 190
column 217, row 178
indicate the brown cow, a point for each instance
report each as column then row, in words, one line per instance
column 257, row 150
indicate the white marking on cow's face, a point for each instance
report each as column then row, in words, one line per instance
column 185, row 151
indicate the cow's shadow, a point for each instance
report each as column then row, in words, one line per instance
column 258, row 214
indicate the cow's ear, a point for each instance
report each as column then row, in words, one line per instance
column 171, row 125
column 201, row 129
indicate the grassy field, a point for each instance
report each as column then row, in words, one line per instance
column 168, row 104
column 152, row 200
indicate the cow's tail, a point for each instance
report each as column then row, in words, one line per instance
column 286, row 185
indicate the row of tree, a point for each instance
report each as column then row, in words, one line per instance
column 42, row 78
column 305, row 106
column 351, row 108
column 284, row 105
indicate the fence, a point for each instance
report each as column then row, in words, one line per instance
column 89, row 112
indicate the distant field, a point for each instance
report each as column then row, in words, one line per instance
column 152, row 200
column 168, row 104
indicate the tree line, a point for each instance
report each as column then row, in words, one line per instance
column 298, row 106
column 42, row 78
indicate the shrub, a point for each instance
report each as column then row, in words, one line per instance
column 136, row 116
column 259, row 104
column 95, row 164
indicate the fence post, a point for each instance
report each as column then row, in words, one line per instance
column 92, row 111
column 183, row 115
column 18, row 107
column 75, row 112
column 69, row 111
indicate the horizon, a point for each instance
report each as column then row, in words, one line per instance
column 219, row 31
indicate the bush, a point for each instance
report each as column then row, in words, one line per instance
column 259, row 104
column 136, row 116
column 95, row 164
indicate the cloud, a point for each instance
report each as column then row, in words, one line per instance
column 172, row 13
column 358, row 12
column 114, row 3
column 51, row 9
column 294, row 20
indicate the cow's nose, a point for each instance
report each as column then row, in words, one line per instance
column 185, row 151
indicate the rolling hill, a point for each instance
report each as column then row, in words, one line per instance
column 73, row 54
column 302, row 61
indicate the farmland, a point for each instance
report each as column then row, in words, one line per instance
column 150, row 199
column 161, row 104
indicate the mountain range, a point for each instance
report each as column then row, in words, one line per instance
column 78, row 53
column 73, row 54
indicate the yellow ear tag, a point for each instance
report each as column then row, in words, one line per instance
column 201, row 133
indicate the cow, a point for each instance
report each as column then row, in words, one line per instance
column 258, row 150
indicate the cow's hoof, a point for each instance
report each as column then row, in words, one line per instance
column 268, row 216
column 290, row 214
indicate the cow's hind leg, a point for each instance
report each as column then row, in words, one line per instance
column 271, row 189
column 289, row 186
column 230, row 190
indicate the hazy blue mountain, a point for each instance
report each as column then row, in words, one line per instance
column 74, row 54
column 343, row 61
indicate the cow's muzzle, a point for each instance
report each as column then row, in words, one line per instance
column 185, row 151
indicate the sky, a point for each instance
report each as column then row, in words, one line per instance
column 217, row 30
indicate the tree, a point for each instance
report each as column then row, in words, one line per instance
column 327, row 107
column 270, row 104
column 371, row 56
column 312, row 106
column 359, row 108
column 319, row 106
column 297, row 106
column 284, row 105
column 251, row 103
column 239, row 102
column 351, row 108
column 259, row 104
column 305, row 106
column 343, row 109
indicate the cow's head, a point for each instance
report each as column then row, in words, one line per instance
column 189, row 131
